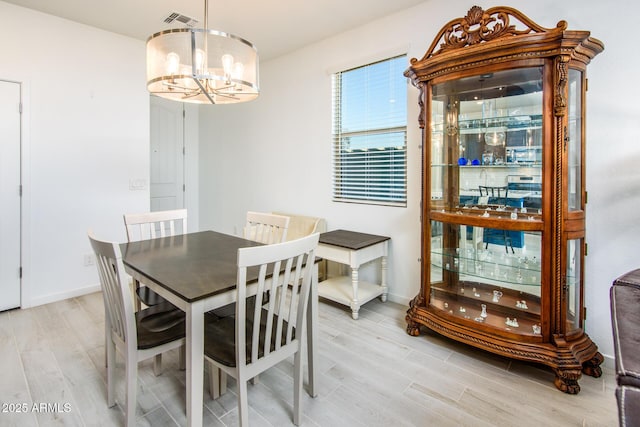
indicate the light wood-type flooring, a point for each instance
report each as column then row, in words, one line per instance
column 371, row 374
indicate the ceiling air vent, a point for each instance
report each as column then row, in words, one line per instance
column 174, row 16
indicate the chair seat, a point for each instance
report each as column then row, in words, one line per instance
column 149, row 297
column 159, row 325
column 220, row 339
column 230, row 309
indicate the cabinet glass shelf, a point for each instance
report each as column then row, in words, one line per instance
column 484, row 265
column 494, row 124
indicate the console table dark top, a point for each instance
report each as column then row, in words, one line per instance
column 351, row 239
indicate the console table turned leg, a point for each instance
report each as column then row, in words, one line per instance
column 355, row 304
column 383, row 279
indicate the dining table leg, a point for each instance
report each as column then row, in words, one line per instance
column 195, row 362
column 312, row 331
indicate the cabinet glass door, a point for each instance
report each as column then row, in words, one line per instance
column 574, row 147
column 486, row 134
column 574, row 284
column 486, row 199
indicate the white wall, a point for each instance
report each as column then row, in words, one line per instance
column 275, row 153
column 85, row 135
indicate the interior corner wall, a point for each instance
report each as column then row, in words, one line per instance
column 85, row 135
column 191, row 165
column 275, row 153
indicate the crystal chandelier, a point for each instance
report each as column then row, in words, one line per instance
column 202, row 66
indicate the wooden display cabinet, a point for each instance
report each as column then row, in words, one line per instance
column 502, row 108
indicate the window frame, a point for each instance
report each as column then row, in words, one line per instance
column 370, row 175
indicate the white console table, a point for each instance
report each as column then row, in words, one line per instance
column 353, row 249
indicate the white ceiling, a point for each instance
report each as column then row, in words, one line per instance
column 275, row 27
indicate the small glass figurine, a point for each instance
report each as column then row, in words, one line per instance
column 484, row 310
column 536, row 329
column 463, row 310
column 496, row 296
column 512, row 322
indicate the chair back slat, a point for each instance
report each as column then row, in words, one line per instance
column 295, row 296
column 115, row 289
column 285, row 269
column 151, row 225
column 255, row 337
column 279, row 310
column 266, row 228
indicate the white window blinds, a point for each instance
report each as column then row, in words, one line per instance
column 370, row 134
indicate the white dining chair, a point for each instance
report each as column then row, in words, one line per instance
column 266, row 228
column 136, row 335
column 150, row 225
column 261, row 335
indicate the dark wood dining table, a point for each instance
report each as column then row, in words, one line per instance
column 197, row 273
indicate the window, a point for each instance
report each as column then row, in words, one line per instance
column 370, row 134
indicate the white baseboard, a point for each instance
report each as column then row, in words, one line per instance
column 399, row 299
column 46, row 299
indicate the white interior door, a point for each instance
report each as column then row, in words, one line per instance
column 167, row 155
column 9, row 195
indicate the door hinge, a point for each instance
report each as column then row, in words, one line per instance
column 584, row 313
column 20, row 272
column 586, row 197
column 184, row 151
column 586, row 85
column 184, row 188
column 586, row 249
column 20, row 108
column 20, row 190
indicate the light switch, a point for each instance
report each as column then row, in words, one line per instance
column 137, row 184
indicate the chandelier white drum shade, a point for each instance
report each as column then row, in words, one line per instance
column 202, row 66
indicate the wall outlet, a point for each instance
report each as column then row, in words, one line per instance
column 89, row 260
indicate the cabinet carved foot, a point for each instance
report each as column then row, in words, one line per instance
column 567, row 381
column 413, row 328
column 592, row 367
